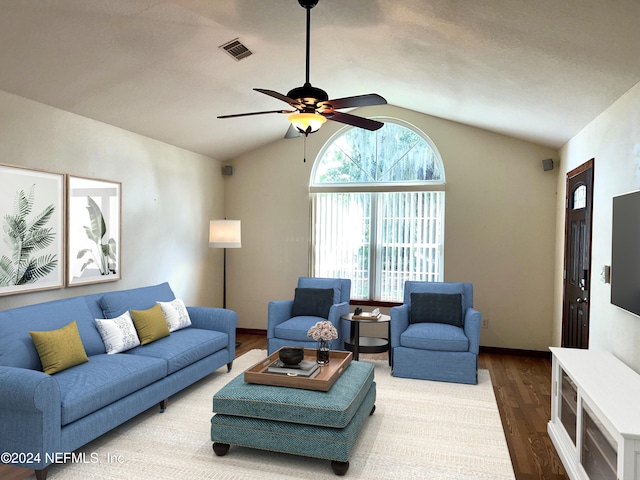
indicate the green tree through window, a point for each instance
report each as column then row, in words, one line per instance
column 378, row 210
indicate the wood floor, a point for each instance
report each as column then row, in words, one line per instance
column 522, row 386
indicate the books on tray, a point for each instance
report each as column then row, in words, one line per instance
column 360, row 315
column 305, row 368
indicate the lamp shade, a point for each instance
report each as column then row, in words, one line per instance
column 307, row 122
column 224, row 234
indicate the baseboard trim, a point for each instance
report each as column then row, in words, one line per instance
column 516, row 352
column 483, row 349
column 251, row 331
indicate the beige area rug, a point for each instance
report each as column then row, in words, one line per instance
column 420, row 430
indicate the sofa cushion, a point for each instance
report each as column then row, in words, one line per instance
column 435, row 336
column 103, row 380
column 118, row 334
column 59, row 349
column 295, row 329
column 183, row 347
column 114, row 304
column 176, row 315
column 314, row 302
column 436, row 308
column 16, row 346
column 150, row 324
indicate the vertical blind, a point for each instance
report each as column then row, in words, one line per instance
column 378, row 240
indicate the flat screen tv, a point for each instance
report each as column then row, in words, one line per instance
column 625, row 252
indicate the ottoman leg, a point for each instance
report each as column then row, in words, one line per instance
column 220, row 449
column 339, row 468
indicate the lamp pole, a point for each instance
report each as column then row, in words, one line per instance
column 224, row 282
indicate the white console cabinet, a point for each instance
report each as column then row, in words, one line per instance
column 595, row 415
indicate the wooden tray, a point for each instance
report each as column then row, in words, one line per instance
column 338, row 363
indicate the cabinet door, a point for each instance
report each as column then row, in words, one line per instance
column 599, row 448
column 568, row 405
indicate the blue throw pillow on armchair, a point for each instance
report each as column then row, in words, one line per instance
column 314, row 302
column 436, row 308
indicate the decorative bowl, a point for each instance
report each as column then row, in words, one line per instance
column 291, row 356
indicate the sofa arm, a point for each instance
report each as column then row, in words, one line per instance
column 30, row 417
column 399, row 323
column 472, row 324
column 278, row 311
column 217, row 319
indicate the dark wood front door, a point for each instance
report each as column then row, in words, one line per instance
column 577, row 257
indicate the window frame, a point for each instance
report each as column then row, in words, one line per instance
column 373, row 188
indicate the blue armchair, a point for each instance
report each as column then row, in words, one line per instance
column 284, row 329
column 437, row 338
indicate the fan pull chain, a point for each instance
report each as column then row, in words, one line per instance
column 305, row 150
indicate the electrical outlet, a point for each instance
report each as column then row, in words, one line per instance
column 485, row 322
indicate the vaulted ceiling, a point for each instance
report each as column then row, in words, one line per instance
column 537, row 70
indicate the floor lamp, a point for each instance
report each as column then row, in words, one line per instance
column 224, row 234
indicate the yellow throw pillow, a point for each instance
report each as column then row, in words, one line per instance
column 59, row 349
column 150, row 324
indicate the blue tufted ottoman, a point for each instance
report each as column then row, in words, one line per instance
column 291, row 420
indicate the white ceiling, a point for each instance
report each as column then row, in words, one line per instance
column 533, row 69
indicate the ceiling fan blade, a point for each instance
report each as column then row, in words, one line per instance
column 354, row 120
column 294, row 103
column 292, row 132
column 357, row 101
column 255, row 113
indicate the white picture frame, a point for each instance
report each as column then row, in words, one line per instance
column 32, row 213
column 94, row 230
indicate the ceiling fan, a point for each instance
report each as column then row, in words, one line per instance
column 311, row 105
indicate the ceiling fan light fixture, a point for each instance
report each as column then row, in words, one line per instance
column 312, row 106
column 307, row 122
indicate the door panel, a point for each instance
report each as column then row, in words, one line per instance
column 577, row 263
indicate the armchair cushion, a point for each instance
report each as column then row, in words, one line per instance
column 296, row 328
column 435, row 336
column 314, row 302
column 429, row 307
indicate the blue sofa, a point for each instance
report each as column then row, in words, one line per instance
column 45, row 416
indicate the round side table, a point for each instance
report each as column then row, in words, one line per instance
column 358, row 344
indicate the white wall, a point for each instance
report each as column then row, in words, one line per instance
column 168, row 197
column 499, row 230
column 610, row 139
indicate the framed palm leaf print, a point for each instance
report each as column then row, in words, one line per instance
column 93, row 224
column 32, row 251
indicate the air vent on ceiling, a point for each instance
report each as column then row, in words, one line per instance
column 236, row 49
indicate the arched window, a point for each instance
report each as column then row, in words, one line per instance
column 378, row 210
